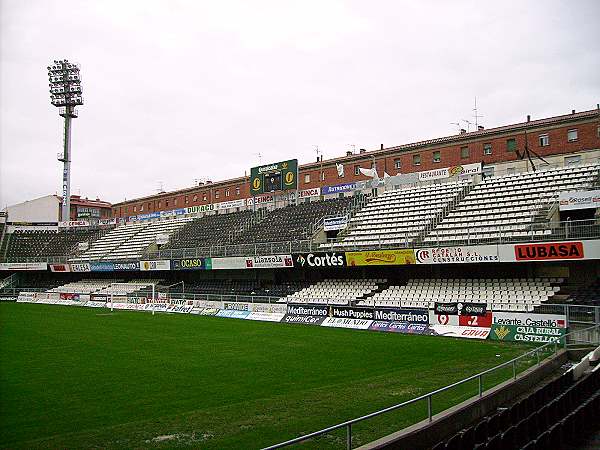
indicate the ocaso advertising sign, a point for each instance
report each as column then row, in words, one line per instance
column 190, row 264
column 549, row 251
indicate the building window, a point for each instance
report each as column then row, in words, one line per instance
column 356, row 170
column 307, row 178
column 487, row 149
column 488, row 171
column 322, row 176
column 511, row 145
column 149, row 206
column 166, row 203
column 217, row 193
column 572, row 135
column 416, row 160
column 510, row 171
column 227, row 192
column 160, row 204
column 204, row 197
column 437, row 156
column 464, row 152
column 195, row 198
column 135, row 209
column 544, row 140
column 175, row 201
column 237, row 190
column 397, row 163
column 598, row 131
column 187, row 200
column 142, row 208
column 572, row 160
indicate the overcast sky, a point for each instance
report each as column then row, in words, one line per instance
column 180, row 90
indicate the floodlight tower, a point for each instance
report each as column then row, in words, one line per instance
column 65, row 94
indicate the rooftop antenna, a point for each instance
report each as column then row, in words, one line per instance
column 468, row 124
column 259, row 158
column 353, row 147
column 457, row 125
column 476, row 116
column 160, row 187
column 317, row 151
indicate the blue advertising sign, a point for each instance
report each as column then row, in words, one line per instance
column 233, row 314
column 347, row 187
column 102, row 266
column 133, row 265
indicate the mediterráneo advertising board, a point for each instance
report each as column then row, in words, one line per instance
column 306, row 314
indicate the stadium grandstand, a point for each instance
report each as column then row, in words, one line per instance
column 463, row 236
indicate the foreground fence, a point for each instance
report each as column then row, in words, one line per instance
column 589, row 336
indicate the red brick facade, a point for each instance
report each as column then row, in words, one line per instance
column 453, row 150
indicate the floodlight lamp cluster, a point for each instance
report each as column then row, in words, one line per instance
column 65, row 84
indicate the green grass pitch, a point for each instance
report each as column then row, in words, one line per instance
column 79, row 378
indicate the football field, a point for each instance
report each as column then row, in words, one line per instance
column 75, row 377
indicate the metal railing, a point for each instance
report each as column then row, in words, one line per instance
column 590, row 336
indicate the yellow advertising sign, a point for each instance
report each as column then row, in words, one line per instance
column 381, row 258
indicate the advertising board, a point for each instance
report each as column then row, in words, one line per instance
column 24, row 266
column 460, row 332
column 254, row 262
column 191, row 264
column 381, row 258
column 133, row 265
column 335, row 223
column 337, row 322
column 569, row 201
column 60, row 268
column 164, row 264
column 319, row 260
column 517, row 333
column 399, row 327
column 339, row 188
column 80, row 267
column 457, row 255
column 549, row 251
column 233, row 314
column 102, row 266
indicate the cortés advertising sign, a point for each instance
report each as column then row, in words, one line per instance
column 549, row 251
column 457, row 255
column 318, row 260
column 381, row 258
column 190, row 264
